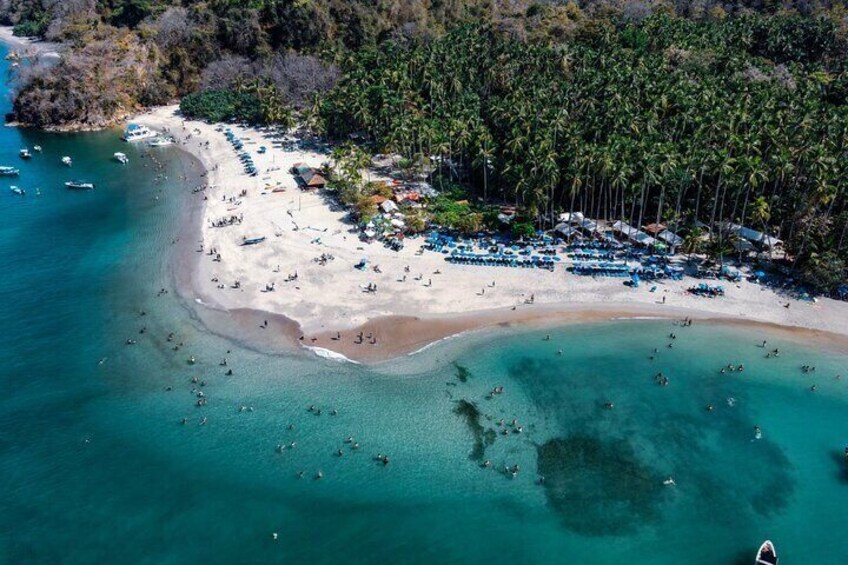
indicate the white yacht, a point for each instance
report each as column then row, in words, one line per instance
column 121, row 158
column 136, row 132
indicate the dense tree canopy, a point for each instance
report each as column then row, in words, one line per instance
column 684, row 111
column 741, row 120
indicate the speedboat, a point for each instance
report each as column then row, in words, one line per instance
column 9, row 172
column 16, row 190
column 121, row 158
column 161, row 142
column 136, row 132
column 79, row 185
column 25, row 154
column 36, row 148
column 767, row 554
column 66, row 161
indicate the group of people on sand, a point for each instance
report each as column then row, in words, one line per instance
column 229, row 221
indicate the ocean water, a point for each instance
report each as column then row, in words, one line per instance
column 96, row 466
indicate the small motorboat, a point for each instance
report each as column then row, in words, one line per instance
column 767, row 554
column 9, row 172
column 17, row 190
column 121, row 158
column 79, row 185
column 25, row 154
column 36, row 148
column 253, row 241
column 67, row 161
column 161, row 142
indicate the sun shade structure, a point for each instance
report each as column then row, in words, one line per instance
column 764, row 240
column 634, row 235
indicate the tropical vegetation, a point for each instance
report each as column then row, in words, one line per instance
column 694, row 113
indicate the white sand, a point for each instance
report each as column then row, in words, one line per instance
column 331, row 298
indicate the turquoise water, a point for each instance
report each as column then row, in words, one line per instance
column 96, row 465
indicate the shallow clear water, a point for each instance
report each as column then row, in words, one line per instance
column 96, row 466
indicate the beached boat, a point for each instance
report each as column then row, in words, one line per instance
column 161, row 142
column 253, row 241
column 25, row 154
column 766, row 555
column 137, row 132
column 79, row 185
column 16, row 190
column 66, row 161
column 121, row 158
column 9, row 172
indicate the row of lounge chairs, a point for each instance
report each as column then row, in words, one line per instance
column 703, row 289
column 602, row 269
column 244, row 156
column 531, row 262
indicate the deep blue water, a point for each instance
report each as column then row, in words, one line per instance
column 95, row 465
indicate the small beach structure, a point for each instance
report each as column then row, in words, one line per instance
column 566, row 231
column 308, row 177
column 579, row 221
column 632, row 234
column 388, row 207
column 671, row 239
column 764, row 241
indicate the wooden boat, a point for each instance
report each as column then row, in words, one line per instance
column 766, row 555
column 79, row 185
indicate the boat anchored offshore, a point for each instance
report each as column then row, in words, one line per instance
column 67, row 161
column 36, row 148
column 16, row 190
column 121, row 158
column 136, row 132
column 766, row 554
column 9, row 172
column 79, row 185
column 25, row 154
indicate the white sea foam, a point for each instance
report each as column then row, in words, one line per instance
column 330, row 354
column 433, row 343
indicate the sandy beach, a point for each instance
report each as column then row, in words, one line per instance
column 420, row 298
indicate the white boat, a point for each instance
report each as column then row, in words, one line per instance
column 16, row 190
column 9, row 171
column 67, row 161
column 137, row 132
column 161, row 142
column 25, row 154
column 121, row 158
column 36, row 148
column 79, row 185
column 766, row 555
